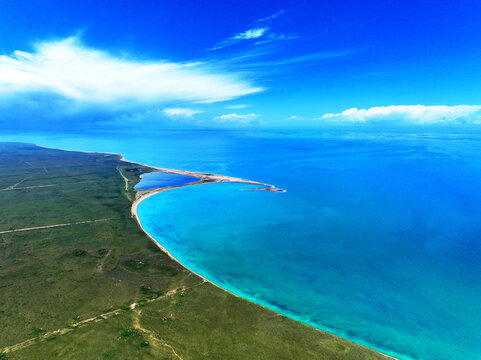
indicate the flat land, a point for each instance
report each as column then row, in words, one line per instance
column 80, row 280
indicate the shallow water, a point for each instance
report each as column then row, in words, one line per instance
column 158, row 179
column 377, row 238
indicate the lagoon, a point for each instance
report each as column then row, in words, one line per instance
column 160, row 179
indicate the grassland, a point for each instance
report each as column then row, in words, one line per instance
column 98, row 288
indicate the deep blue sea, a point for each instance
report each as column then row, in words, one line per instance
column 377, row 239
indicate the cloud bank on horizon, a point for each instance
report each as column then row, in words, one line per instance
column 408, row 114
column 89, row 76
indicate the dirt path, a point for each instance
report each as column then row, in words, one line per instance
column 153, row 339
column 101, row 317
column 15, row 185
column 125, row 178
column 10, row 188
column 27, row 187
column 100, row 266
column 53, row 226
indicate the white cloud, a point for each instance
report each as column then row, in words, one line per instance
column 243, row 118
column 269, row 18
column 250, row 34
column 256, row 31
column 253, row 33
column 408, row 114
column 71, row 70
column 277, row 64
column 275, row 37
column 236, row 106
column 180, row 112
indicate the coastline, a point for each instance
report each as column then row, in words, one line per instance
column 205, row 178
column 141, row 195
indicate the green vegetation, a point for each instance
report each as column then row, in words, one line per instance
column 102, row 290
column 79, row 252
column 103, row 252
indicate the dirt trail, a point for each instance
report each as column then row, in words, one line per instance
column 10, row 188
column 15, row 185
column 125, row 179
column 153, row 339
column 101, row 317
column 53, row 226
column 27, row 187
column 100, row 266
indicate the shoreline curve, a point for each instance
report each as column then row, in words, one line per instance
column 148, row 193
column 205, row 178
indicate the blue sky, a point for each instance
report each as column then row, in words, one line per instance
column 279, row 63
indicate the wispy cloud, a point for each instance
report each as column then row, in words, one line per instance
column 250, row 34
column 275, row 37
column 236, row 106
column 271, row 17
column 259, row 31
column 253, row 33
column 73, row 71
column 181, row 112
column 322, row 55
column 409, row 114
column 242, row 118
column 257, row 61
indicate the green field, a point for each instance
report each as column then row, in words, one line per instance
column 103, row 290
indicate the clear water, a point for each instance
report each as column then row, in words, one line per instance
column 377, row 239
column 160, row 179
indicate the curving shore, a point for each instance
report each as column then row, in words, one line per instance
column 205, row 178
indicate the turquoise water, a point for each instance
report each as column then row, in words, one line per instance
column 377, row 238
column 160, row 179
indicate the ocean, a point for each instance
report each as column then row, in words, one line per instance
column 377, row 238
